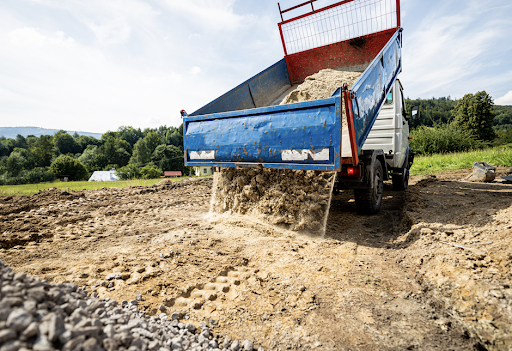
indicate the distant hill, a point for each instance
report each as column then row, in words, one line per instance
column 11, row 132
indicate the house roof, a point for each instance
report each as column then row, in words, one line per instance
column 104, row 176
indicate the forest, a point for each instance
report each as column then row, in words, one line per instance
column 132, row 152
column 445, row 125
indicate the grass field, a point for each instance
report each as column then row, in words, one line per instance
column 498, row 156
column 30, row 189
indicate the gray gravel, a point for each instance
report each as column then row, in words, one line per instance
column 37, row 315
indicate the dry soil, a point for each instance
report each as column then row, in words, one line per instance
column 393, row 281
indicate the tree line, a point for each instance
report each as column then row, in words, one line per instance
column 133, row 152
column 447, row 125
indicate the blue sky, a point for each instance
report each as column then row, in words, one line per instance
column 96, row 65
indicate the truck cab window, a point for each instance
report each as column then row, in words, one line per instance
column 389, row 98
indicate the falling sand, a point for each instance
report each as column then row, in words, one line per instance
column 298, row 200
column 294, row 199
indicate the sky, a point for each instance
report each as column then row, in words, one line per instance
column 97, row 65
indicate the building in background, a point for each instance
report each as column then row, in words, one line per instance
column 101, row 176
column 202, row 171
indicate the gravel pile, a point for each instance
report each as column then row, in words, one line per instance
column 37, row 315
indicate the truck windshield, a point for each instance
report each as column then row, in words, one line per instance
column 389, row 98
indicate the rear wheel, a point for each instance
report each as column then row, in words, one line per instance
column 401, row 178
column 369, row 201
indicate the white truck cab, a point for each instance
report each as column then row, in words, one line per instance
column 390, row 133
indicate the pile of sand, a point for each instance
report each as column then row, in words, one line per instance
column 297, row 199
column 321, row 85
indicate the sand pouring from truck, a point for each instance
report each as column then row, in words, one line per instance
column 329, row 116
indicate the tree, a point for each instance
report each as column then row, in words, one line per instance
column 130, row 171
column 21, row 141
column 88, row 155
column 175, row 138
column 64, row 143
column 169, row 158
column 42, row 150
column 130, row 134
column 152, row 141
column 16, row 162
column 83, row 141
column 150, row 171
column 140, row 154
column 68, row 166
column 475, row 113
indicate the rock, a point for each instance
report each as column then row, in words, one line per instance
column 213, row 343
column 247, row 345
column 42, row 344
column 6, row 335
column 31, row 331
column 11, row 346
column 73, row 343
column 19, row 319
column 162, row 308
column 175, row 316
column 89, row 344
column 235, row 346
column 113, row 276
column 109, row 331
column 138, row 297
column 55, row 325
column 190, row 327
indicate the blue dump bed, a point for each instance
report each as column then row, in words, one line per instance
column 242, row 128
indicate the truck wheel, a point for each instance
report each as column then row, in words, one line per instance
column 401, row 181
column 368, row 201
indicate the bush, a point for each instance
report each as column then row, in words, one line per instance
column 443, row 138
column 504, row 136
column 129, row 171
column 150, row 171
column 69, row 166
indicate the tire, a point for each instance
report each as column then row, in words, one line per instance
column 401, row 181
column 369, row 201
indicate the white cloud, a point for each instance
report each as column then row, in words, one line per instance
column 194, row 70
column 505, row 99
column 95, row 65
column 115, row 32
column 443, row 52
column 33, row 37
column 211, row 14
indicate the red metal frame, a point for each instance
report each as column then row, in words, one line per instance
column 296, row 7
column 397, row 10
column 350, row 123
column 398, row 18
column 314, row 11
column 336, row 56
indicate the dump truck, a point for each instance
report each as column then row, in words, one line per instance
column 360, row 132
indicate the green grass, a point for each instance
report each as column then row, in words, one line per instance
column 497, row 156
column 31, row 189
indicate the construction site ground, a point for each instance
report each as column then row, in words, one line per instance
column 392, row 281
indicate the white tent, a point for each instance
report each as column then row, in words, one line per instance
column 101, row 176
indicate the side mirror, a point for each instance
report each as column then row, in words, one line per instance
column 415, row 112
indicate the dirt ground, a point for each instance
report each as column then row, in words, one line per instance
column 392, row 281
